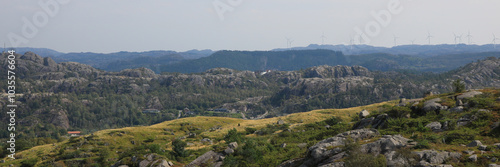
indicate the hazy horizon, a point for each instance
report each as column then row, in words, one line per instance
column 125, row 25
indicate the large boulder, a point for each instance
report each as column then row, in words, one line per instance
column 323, row 149
column 435, row 157
column 364, row 114
column 457, row 109
column 469, row 94
column 210, row 157
column 374, row 122
column 474, row 143
column 434, row 126
column 164, row 163
column 233, row 145
column 433, row 105
column 473, row 158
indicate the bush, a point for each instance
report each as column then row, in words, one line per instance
column 29, row 162
column 479, row 102
column 155, row 148
column 233, row 136
column 423, row 144
column 399, row 112
column 396, row 124
column 458, row 86
column 358, row 158
column 250, row 130
column 461, row 136
column 333, row 121
column 178, row 148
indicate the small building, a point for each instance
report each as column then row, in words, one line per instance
column 151, row 111
column 74, row 133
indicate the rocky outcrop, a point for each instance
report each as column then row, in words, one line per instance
column 329, row 152
column 483, row 73
column 433, row 105
column 434, row 126
column 60, row 118
column 363, row 114
column 373, row 122
column 435, row 157
column 475, row 143
column 148, row 160
column 210, row 157
column 469, row 94
column 335, row 72
column 154, row 103
column 138, row 73
column 331, row 146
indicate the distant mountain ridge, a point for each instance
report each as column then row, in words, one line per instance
column 413, row 50
column 290, row 60
column 434, row 58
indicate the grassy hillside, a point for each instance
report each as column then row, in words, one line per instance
column 272, row 141
column 118, row 141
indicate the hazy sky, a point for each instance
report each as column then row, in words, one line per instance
column 132, row 25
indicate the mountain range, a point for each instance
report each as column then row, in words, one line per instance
column 434, row 58
column 54, row 98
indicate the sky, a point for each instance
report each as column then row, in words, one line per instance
column 106, row 26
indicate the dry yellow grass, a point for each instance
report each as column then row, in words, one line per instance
column 161, row 132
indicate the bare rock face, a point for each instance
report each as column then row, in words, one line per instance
column 435, row 157
column 364, row 114
column 81, row 69
column 434, row 126
column 335, row 72
column 474, row 143
column 374, row 122
column 138, row 73
column 47, row 61
column 32, row 57
column 320, row 151
column 433, row 105
column 210, row 157
column 482, row 73
column 469, row 94
column 154, row 102
column 321, row 154
column 60, row 118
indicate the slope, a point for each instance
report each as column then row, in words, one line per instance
column 117, row 141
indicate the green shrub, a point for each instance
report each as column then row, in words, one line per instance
column 358, row 158
column 397, row 124
column 333, row 121
column 399, row 112
column 149, row 139
column 479, row 102
column 29, row 162
column 250, row 130
column 423, row 144
column 461, row 136
column 233, row 136
column 458, row 86
column 178, row 148
column 155, row 148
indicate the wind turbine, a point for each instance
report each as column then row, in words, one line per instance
column 413, row 41
column 469, row 38
column 360, row 39
column 494, row 41
column 395, row 40
column 351, row 42
column 457, row 37
column 288, row 42
column 323, row 37
column 429, row 36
